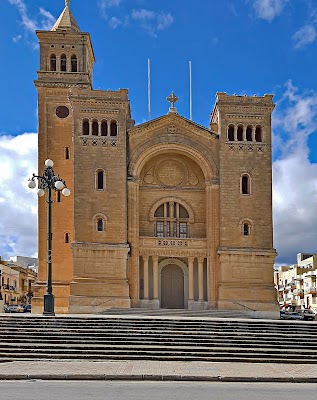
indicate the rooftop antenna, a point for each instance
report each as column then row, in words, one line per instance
column 149, row 86
column 190, row 92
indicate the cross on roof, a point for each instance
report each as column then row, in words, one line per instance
column 172, row 99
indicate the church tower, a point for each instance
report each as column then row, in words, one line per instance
column 66, row 61
column 84, row 132
column 246, row 254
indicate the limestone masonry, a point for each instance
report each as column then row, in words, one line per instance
column 166, row 214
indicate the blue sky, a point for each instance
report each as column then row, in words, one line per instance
column 236, row 46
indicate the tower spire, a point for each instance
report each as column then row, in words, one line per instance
column 67, row 3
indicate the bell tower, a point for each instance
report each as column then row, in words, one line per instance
column 66, row 61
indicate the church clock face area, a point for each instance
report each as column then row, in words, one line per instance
column 165, row 214
column 62, row 112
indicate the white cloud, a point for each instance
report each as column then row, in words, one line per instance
column 151, row 21
column 104, row 5
column 294, row 176
column 306, row 35
column 45, row 20
column 268, row 9
column 18, row 205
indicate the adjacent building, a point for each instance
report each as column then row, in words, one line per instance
column 296, row 284
column 166, row 214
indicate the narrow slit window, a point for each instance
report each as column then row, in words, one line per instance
column 74, row 63
column 63, row 63
column 66, row 237
column 67, row 153
column 104, row 128
column 53, row 62
column 100, row 225
column 258, row 134
column 100, row 180
column 246, row 229
column 95, row 128
column 231, row 133
column 249, row 134
column 245, row 184
column 113, row 128
column 58, row 196
column 85, row 127
column 240, row 133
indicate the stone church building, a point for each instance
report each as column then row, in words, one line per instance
column 166, row 214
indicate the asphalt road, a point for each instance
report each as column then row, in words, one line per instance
column 119, row 390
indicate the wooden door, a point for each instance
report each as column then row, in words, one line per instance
column 172, row 287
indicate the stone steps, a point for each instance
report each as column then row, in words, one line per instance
column 156, row 338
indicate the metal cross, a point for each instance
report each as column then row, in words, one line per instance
column 172, row 99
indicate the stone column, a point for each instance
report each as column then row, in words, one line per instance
column 190, row 278
column 155, row 278
column 146, row 277
column 200, row 279
column 90, row 127
column 253, row 134
column 244, row 136
column 235, row 133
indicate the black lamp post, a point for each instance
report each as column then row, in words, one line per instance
column 46, row 183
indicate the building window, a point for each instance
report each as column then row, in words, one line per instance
column 240, row 133
column 258, row 134
column 100, row 225
column 245, row 184
column 58, row 196
column 53, row 62
column 113, row 128
column 95, row 128
column 100, row 180
column 74, row 63
column 104, row 128
column 67, row 153
column 171, row 220
column 246, row 229
column 249, row 133
column 63, row 63
column 66, row 237
column 231, row 133
column 85, row 127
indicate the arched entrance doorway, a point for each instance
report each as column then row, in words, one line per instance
column 172, row 286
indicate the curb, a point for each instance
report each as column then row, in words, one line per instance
column 142, row 377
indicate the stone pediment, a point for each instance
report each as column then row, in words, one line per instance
column 171, row 124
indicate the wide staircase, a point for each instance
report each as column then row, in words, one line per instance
column 161, row 338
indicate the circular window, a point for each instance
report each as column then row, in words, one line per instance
column 62, row 112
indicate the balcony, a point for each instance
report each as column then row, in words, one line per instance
column 311, row 290
column 173, row 246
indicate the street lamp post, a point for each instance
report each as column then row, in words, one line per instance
column 46, row 183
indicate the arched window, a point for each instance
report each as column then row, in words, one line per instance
column 100, row 225
column 171, row 220
column 63, row 63
column 258, row 134
column 249, row 133
column 245, row 184
column 95, row 128
column 73, row 63
column 85, row 127
column 104, row 128
column 100, row 180
column 240, row 133
column 113, row 128
column 67, row 153
column 66, row 237
column 53, row 62
column 246, row 229
column 58, row 196
column 231, row 133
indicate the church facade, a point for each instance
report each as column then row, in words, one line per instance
column 166, row 214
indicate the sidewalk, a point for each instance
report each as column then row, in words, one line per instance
column 158, row 370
